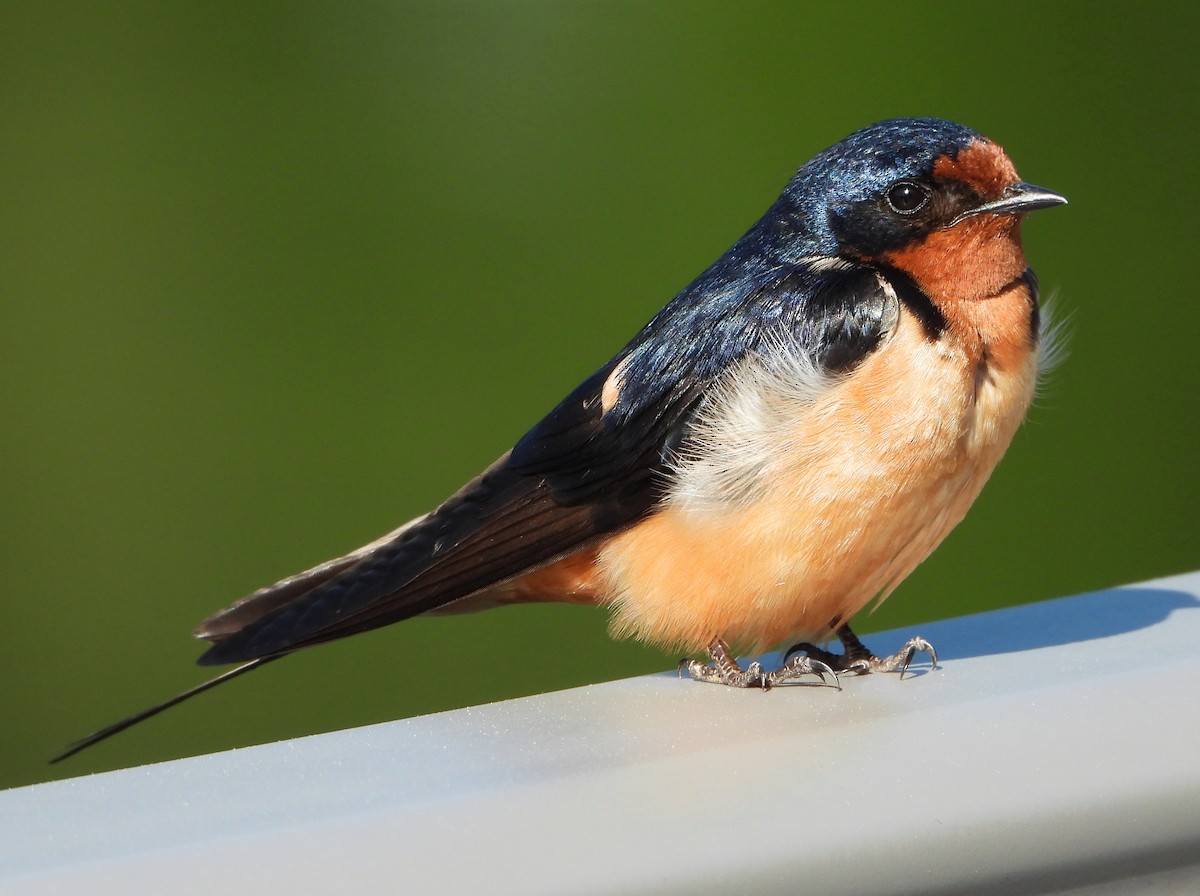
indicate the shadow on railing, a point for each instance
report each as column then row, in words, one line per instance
column 1053, row 623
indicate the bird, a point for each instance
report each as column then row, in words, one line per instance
column 782, row 444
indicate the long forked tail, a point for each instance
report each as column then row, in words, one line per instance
column 117, row 727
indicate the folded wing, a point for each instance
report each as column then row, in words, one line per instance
column 593, row 466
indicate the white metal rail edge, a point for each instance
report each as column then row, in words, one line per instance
column 1056, row 749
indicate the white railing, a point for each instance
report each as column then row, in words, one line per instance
column 1056, row 747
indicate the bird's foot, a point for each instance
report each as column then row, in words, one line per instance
column 724, row 669
column 858, row 659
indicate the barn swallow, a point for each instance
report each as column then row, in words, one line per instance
column 784, row 442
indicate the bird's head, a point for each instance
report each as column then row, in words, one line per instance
column 930, row 197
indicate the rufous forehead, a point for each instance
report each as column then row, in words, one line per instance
column 982, row 164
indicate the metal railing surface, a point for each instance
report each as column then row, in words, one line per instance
column 1056, row 748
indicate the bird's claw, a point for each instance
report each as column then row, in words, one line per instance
column 859, row 660
column 901, row 659
column 724, row 669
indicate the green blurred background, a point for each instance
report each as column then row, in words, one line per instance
column 277, row 277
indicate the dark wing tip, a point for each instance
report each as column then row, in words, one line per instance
column 222, row 653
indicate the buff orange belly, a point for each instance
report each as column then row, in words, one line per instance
column 858, row 491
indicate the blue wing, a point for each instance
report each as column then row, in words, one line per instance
column 584, row 472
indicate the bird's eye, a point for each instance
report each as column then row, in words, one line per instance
column 906, row 197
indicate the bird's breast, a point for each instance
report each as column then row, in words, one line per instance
column 802, row 499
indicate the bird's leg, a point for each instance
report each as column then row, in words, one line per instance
column 724, row 669
column 858, row 659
